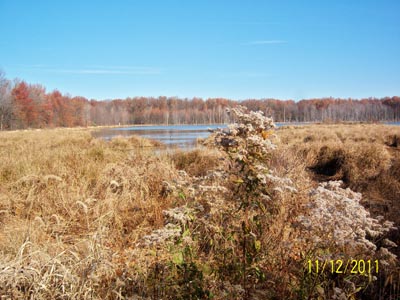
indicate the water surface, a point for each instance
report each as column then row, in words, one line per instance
column 182, row 136
column 393, row 123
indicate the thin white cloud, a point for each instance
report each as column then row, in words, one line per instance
column 256, row 23
column 267, row 42
column 126, row 68
column 98, row 70
column 143, row 71
column 259, row 23
column 242, row 74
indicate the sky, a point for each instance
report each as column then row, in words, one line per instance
column 232, row 49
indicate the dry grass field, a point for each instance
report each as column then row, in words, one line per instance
column 82, row 218
column 70, row 202
column 366, row 157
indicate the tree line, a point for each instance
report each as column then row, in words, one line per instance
column 24, row 105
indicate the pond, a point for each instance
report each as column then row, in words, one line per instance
column 182, row 136
column 393, row 123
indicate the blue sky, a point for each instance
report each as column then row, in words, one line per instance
column 233, row 49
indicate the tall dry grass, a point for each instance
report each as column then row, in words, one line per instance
column 197, row 162
column 365, row 156
column 81, row 218
column 69, row 205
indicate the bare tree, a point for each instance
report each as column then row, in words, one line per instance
column 5, row 102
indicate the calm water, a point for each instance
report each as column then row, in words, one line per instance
column 393, row 123
column 182, row 136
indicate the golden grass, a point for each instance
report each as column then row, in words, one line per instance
column 196, row 162
column 69, row 204
column 359, row 154
column 74, row 211
column 365, row 156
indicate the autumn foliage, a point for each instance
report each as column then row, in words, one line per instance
column 25, row 109
column 24, row 105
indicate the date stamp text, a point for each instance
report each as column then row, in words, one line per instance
column 339, row 266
